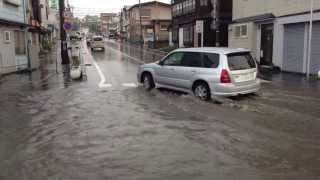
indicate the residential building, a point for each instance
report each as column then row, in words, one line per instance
column 155, row 22
column 124, row 22
column 197, row 23
column 13, row 36
column 109, row 23
column 277, row 32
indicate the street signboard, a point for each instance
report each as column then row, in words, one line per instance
column 67, row 26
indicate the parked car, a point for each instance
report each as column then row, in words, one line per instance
column 205, row 72
column 97, row 42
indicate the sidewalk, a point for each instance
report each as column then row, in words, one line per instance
column 39, row 78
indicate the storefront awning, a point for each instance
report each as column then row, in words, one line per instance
column 12, row 23
column 257, row 18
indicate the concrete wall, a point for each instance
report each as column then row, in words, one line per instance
column 247, row 8
column 12, row 13
column 7, row 52
column 248, row 42
column 279, row 35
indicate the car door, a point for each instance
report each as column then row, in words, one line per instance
column 166, row 72
column 190, row 64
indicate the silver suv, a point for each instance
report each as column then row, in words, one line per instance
column 205, row 72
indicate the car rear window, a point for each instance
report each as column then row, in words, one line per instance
column 210, row 60
column 98, row 39
column 240, row 61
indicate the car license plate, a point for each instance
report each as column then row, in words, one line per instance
column 244, row 77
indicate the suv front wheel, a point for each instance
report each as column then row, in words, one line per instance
column 148, row 82
column 202, row 91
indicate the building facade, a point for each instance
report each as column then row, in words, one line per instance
column 199, row 23
column 108, row 23
column 277, row 32
column 13, row 36
column 124, row 23
column 155, row 21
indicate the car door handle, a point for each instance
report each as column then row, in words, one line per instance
column 193, row 71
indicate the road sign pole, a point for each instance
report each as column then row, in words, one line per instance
column 63, row 36
column 310, row 39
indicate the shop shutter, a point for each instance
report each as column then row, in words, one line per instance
column 315, row 53
column 293, row 47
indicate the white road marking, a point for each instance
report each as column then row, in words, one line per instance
column 129, row 85
column 102, row 83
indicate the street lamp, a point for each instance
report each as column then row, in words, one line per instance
column 310, row 39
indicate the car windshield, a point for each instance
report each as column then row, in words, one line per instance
column 240, row 61
column 98, row 39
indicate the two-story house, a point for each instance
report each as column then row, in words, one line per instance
column 277, row 32
column 13, row 37
column 199, row 23
column 155, row 22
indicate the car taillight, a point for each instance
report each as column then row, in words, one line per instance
column 225, row 77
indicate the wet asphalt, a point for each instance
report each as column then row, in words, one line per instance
column 53, row 128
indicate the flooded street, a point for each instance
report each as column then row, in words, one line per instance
column 52, row 128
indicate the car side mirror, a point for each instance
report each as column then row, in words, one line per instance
column 160, row 63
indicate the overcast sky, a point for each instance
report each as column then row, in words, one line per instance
column 93, row 7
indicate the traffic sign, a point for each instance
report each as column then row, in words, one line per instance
column 67, row 26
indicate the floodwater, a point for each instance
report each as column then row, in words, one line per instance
column 53, row 128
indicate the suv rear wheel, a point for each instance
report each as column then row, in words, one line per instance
column 148, row 82
column 202, row 91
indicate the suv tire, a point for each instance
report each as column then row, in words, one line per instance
column 148, row 83
column 202, row 91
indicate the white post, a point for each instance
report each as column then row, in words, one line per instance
column 310, row 39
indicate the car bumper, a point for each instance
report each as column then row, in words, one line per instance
column 234, row 90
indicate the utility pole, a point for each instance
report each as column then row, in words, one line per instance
column 63, row 35
column 141, row 35
column 310, row 39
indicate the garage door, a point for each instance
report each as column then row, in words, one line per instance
column 315, row 55
column 293, row 47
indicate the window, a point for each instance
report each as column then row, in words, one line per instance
column 19, row 42
column 191, row 59
column 203, row 2
column 210, row 60
column 240, row 61
column 173, row 59
column 163, row 27
column 193, row 5
column 97, row 39
column 188, row 35
column 7, row 36
column 244, row 30
column 145, row 12
column 241, row 30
